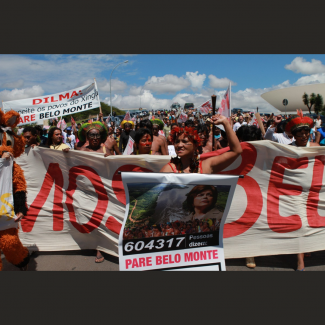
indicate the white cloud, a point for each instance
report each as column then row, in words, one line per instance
column 7, row 95
column 312, row 79
column 300, row 65
column 15, row 84
column 195, row 79
column 57, row 73
column 220, row 82
column 117, row 85
column 136, row 91
column 148, row 101
column 167, row 84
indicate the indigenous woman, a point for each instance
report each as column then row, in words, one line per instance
column 300, row 128
column 55, row 140
column 143, row 142
column 186, row 141
column 95, row 134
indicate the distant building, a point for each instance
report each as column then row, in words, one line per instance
column 294, row 97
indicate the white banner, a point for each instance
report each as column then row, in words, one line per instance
column 174, row 221
column 129, row 147
column 278, row 207
column 171, row 151
column 51, row 106
column 7, row 213
column 182, row 118
column 254, row 121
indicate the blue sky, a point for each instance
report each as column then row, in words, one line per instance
column 160, row 79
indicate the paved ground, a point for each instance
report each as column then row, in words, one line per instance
column 85, row 261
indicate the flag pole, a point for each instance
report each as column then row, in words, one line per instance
column 100, row 107
column 229, row 99
column 213, row 100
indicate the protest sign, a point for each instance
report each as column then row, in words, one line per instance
column 129, row 147
column 174, row 222
column 205, row 107
column 127, row 116
column 51, row 106
column 254, row 121
column 62, row 124
column 76, row 200
column 171, row 151
column 182, row 118
column 7, row 213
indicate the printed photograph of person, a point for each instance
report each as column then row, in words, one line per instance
column 162, row 210
column 201, row 201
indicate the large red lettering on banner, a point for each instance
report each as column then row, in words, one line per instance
column 276, row 222
column 251, row 187
column 313, row 217
column 53, row 175
column 117, row 183
column 102, row 202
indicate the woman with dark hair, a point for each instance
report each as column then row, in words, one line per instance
column 201, row 202
column 55, row 140
column 249, row 133
column 187, row 141
column 143, row 142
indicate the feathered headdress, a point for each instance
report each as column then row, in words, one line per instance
column 124, row 122
column 188, row 132
column 85, row 128
column 299, row 121
column 159, row 123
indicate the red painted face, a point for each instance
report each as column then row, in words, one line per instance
column 146, row 141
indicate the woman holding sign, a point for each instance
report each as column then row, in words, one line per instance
column 186, row 141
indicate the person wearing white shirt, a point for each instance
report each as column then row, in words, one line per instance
column 70, row 139
column 284, row 138
column 239, row 123
column 318, row 122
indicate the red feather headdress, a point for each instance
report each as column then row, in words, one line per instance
column 188, row 132
column 298, row 121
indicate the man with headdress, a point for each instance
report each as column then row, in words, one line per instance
column 96, row 134
column 127, row 127
column 300, row 127
column 159, row 144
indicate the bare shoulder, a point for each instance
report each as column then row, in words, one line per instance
column 167, row 168
column 206, row 166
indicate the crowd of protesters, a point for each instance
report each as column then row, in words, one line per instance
column 191, row 136
column 172, row 229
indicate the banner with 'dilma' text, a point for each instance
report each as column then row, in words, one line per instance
column 68, row 102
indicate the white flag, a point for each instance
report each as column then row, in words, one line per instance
column 224, row 108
